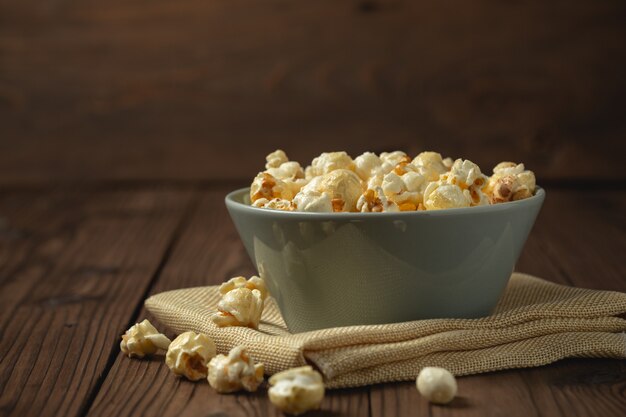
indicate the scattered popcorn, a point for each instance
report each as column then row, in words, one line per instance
column 297, row 390
column 239, row 307
column 388, row 182
column 189, row 354
column 254, row 283
column 143, row 339
column 235, row 372
column 437, row 385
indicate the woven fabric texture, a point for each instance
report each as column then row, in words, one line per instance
column 535, row 323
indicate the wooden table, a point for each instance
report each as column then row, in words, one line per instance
column 124, row 123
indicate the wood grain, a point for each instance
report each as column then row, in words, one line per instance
column 74, row 267
column 195, row 90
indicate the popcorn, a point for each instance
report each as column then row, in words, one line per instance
column 239, row 307
column 467, row 176
column 342, row 186
column 367, row 165
column 287, row 171
column 375, row 201
column 254, row 283
column 269, row 187
column 313, row 201
column 296, row 390
column 430, row 165
column 328, row 162
column 275, row 204
column 387, row 182
column 235, row 372
column 143, row 339
column 510, row 182
column 437, row 385
column 276, row 159
column 440, row 195
column 189, row 354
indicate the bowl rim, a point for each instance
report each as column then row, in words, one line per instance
column 536, row 199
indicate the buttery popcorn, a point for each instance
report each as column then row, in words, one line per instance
column 239, row 307
column 510, row 182
column 235, row 372
column 388, row 182
column 296, row 390
column 143, row 339
column 189, row 354
column 254, row 283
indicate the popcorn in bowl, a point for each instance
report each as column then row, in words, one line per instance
column 389, row 182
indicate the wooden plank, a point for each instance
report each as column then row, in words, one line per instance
column 208, row 253
column 85, row 263
column 155, row 89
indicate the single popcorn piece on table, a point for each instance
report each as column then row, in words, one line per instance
column 297, row 390
column 189, row 354
column 437, row 385
column 510, row 182
column 235, row 372
column 143, row 339
column 254, row 283
column 239, row 307
column 328, row 162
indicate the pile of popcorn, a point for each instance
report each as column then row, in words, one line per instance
column 389, row 182
column 294, row 391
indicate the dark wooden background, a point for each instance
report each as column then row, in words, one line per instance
column 124, row 122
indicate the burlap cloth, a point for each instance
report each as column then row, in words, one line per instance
column 535, row 323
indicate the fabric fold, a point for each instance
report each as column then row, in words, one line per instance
column 535, row 323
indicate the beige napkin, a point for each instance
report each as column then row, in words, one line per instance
column 535, row 323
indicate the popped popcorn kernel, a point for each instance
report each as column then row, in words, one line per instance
column 276, row 159
column 296, row 390
column 254, row 283
column 328, row 162
column 437, row 385
column 375, row 201
column 440, row 195
column 143, row 339
column 239, row 307
column 189, row 354
column 235, row 372
column 269, row 187
column 275, row 204
column 510, row 182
